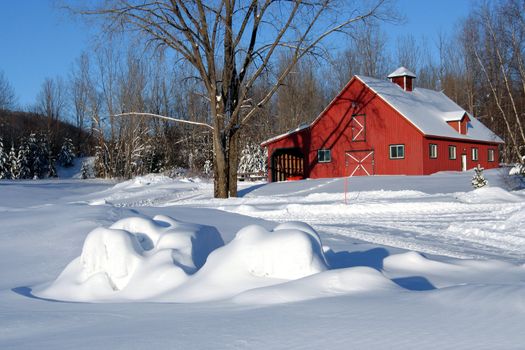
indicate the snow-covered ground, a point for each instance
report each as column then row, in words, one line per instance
column 406, row 262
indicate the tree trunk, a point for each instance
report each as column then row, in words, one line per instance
column 233, row 158
column 220, row 167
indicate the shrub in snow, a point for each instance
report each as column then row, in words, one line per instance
column 518, row 168
column 67, row 153
column 208, row 168
column 87, row 171
column 478, row 180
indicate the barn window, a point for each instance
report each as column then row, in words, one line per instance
column 491, row 155
column 474, row 154
column 358, row 125
column 324, row 156
column 433, row 151
column 397, row 151
column 451, row 152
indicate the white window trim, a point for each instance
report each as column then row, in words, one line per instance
column 325, row 151
column 491, row 155
column 455, row 156
column 475, row 153
column 390, row 147
column 433, row 146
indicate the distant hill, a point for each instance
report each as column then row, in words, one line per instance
column 15, row 125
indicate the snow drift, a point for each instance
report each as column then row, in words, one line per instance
column 168, row 260
column 135, row 258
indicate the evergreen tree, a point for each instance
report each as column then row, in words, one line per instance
column 67, row 153
column 24, row 166
column 4, row 167
column 39, row 156
column 478, row 180
column 14, row 170
column 253, row 159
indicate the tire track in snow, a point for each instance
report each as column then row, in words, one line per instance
column 459, row 230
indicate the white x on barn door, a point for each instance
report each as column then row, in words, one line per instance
column 360, row 163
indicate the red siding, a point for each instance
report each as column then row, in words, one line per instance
column 442, row 162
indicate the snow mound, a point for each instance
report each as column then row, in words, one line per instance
column 146, row 180
column 135, row 258
column 413, row 261
column 488, row 195
column 255, row 258
column 326, row 284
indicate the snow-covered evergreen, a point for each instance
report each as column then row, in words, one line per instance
column 479, row 180
column 253, row 159
column 12, row 159
column 39, row 156
column 4, row 171
column 24, row 164
column 67, row 153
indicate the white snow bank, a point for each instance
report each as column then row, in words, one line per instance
column 488, row 195
column 146, row 180
column 136, row 258
column 326, row 284
column 415, row 268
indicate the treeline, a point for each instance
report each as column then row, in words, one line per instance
column 34, row 158
column 480, row 65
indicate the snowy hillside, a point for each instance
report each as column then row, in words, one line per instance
column 406, row 262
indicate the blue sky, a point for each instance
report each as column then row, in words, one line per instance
column 38, row 40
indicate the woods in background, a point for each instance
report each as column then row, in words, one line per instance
column 480, row 65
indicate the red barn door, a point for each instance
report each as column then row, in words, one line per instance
column 359, row 163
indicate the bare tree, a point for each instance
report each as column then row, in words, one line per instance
column 300, row 98
column 223, row 42
column 51, row 100
column 408, row 52
column 80, row 88
column 7, row 93
column 496, row 41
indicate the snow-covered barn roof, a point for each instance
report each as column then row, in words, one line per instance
column 290, row 132
column 429, row 110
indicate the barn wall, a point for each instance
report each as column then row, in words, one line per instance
column 442, row 162
column 384, row 127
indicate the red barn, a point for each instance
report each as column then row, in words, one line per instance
column 383, row 127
